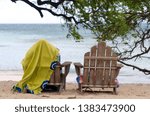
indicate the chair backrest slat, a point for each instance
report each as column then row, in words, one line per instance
column 93, row 53
column 114, row 72
column 57, row 75
column 86, row 71
column 109, row 65
column 55, row 78
column 100, row 63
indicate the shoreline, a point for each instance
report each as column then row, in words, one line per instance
column 16, row 75
column 125, row 91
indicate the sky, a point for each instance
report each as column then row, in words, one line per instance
column 22, row 13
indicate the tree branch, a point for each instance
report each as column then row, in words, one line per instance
column 137, row 55
column 145, row 71
column 39, row 2
column 30, row 4
column 39, row 9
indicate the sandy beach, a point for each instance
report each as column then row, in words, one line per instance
column 125, row 91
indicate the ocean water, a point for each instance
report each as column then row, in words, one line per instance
column 16, row 39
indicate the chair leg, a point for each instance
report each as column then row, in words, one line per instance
column 115, row 90
column 80, row 88
column 64, row 87
column 63, row 81
column 59, row 89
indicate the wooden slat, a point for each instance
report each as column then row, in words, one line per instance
column 67, row 63
column 102, row 67
column 113, row 77
column 92, row 79
column 108, row 64
column 114, row 72
column 52, row 78
column 78, row 64
column 101, row 58
column 114, row 63
column 86, row 71
column 100, row 63
column 99, row 86
column 57, row 75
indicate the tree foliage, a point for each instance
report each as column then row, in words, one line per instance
column 125, row 23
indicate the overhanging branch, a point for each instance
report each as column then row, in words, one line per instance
column 145, row 71
column 40, row 9
column 30, row 4
column 54, row 4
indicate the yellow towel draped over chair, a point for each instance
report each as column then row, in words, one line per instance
column 36, row 66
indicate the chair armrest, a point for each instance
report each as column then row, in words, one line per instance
column 66, row 66
column 119, row 66
column 67, row 63
column 78, row 67
column 78, row 64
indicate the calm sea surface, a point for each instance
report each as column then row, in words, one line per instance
column 16, row 39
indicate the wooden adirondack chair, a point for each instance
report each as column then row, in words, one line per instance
column 58, row 78
column 100, row 68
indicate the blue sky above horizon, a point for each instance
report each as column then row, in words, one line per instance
column 22, row 13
